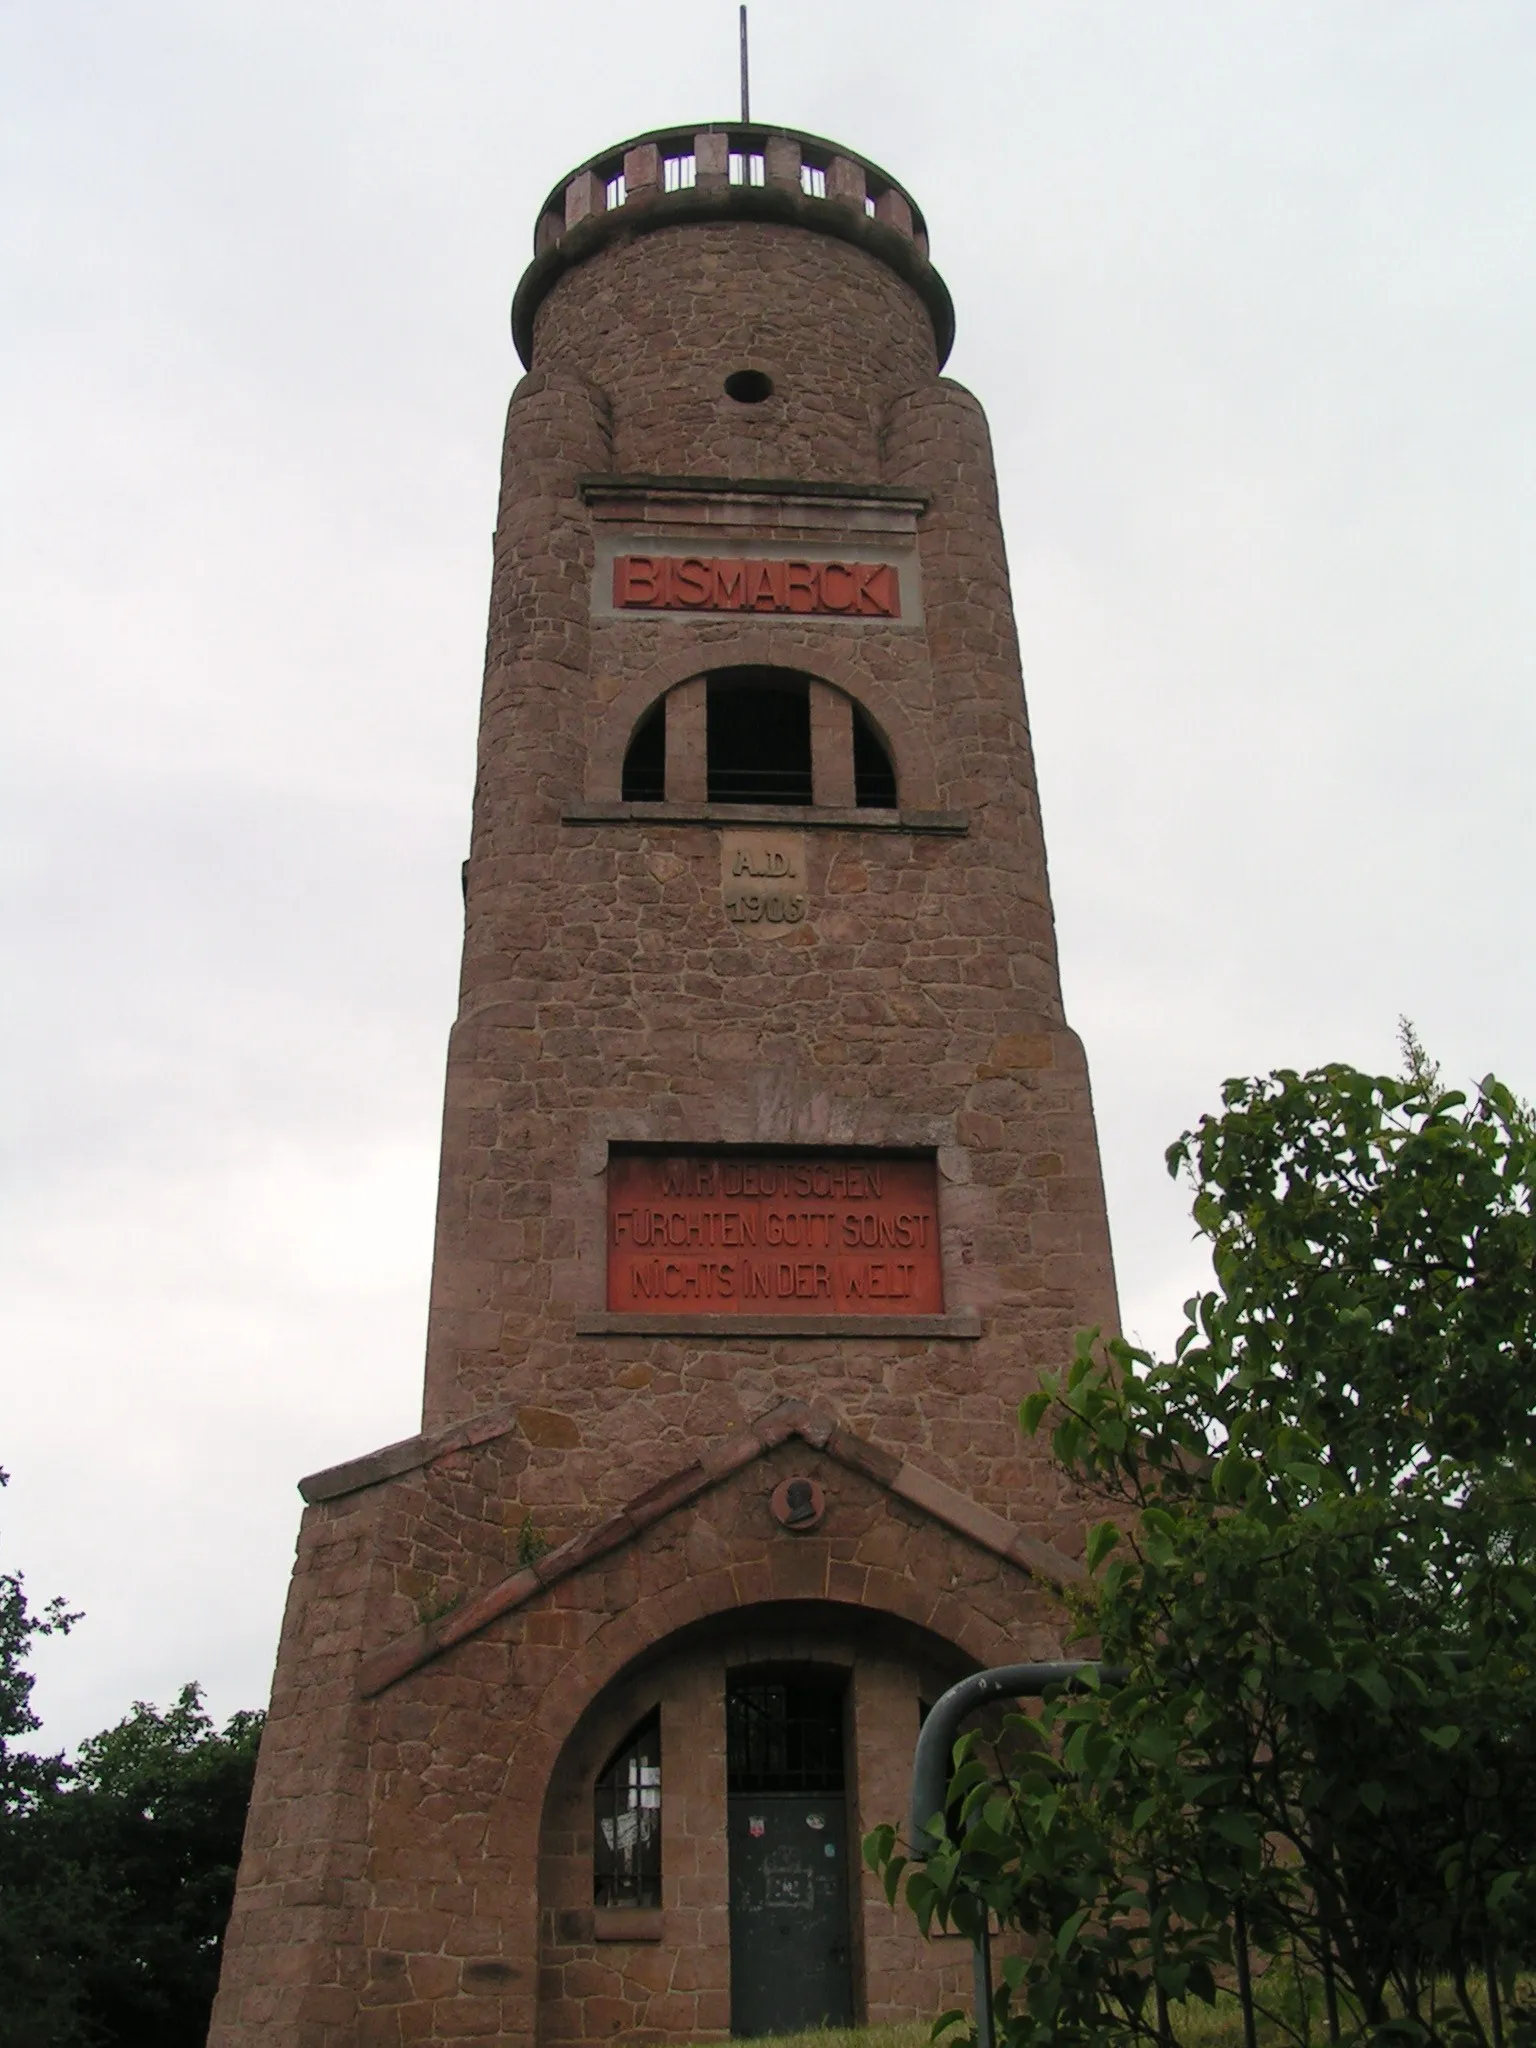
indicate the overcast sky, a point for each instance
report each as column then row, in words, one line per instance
column 1248, row 289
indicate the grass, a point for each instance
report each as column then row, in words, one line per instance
column 912, row 2034
column 1194, row 2026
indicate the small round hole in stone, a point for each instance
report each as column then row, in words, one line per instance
column 749, row 387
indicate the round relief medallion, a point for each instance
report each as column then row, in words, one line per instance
column 798, row 1505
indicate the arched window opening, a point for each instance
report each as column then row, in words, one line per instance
column 784, row 1732
column 759, row 737
column 626, row 1831
column 645, row 764
column 874, row 779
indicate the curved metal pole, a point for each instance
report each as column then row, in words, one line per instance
column 931, row 1773
column 936, row 1739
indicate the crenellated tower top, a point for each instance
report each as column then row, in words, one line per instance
column 729, row 172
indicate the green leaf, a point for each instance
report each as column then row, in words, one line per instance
column 878, row 1844
column 1067, row 1933
column 1374, row 1685
column 1032, row 1412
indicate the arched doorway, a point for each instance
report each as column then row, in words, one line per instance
column 662, row 1912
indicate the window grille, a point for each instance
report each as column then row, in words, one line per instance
column 678, row 173
column 747, row 169
column 615, row 192
column 626, row 1833
column 758, row 740
column 813, row 182
column 784, row 1734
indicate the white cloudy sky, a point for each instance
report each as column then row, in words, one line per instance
column 1248, row 288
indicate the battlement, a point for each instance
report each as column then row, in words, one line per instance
column 717, row 158
column 729, row 171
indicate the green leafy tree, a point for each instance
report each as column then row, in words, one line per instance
column 150, row 1826
column 35, row 2005
column 1318, row 1571
column 117, row 1871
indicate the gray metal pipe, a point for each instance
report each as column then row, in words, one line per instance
column 931, row 1772
column 936, row 1738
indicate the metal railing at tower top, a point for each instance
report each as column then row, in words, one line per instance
column 717, row 158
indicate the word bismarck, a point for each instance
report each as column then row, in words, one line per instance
column 665, row 583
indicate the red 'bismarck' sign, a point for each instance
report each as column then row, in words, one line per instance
column 720, row 583
column 773, row 1234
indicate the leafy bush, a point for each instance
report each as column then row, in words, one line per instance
column 1318, row 1570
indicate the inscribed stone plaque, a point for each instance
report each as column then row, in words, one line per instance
column 873, row 580
column 773, row 1233
column 726, row 583
column 763, row 880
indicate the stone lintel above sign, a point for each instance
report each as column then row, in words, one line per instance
column 705, row 505
column 855, row 583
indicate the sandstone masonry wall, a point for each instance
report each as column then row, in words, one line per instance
column 418, row 1859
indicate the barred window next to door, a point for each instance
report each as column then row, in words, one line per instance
column 626, row 1831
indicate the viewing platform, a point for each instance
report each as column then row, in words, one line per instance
column 723, row 172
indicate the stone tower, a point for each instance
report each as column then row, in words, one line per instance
column 769, row 1179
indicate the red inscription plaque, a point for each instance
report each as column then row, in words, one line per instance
column 767, row 1234
column 708, row 583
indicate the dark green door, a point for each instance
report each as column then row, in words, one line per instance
column 791, row 1966
column 789, row 1913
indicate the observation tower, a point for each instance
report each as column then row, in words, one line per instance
column 769, row 1180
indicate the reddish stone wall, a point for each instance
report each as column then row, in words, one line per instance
column 606, row 997
column 659, row 324
column 292, row 1959
column 395, row 1898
